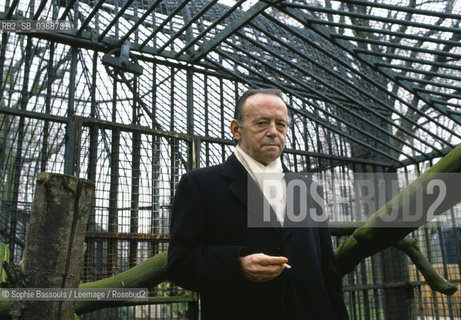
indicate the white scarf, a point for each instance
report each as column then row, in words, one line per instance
column 259, row 173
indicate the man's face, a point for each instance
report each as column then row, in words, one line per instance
column 264, row 128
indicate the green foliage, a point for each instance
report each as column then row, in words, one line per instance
column 4, row 259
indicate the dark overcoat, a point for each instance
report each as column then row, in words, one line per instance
column 210, row 232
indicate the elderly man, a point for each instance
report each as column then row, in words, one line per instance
column 245, row 270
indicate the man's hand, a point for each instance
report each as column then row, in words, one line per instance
column 260, row 267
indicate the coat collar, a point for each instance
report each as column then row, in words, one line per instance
column 236, row 173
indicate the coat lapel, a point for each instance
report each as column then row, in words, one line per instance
column 234, row 171
column 248, row 193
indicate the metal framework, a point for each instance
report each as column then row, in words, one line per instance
column 136, row 92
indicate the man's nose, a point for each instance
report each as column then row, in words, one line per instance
column 272, row 129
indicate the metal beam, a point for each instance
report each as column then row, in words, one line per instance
column 187, row 25
column 115, row 19
column 397, row 45
column 164, row 22
column 39, row 9
column 438, row 93
column 403, row 9
column 69, row 6
column 431, row 83
column 255, row 10
column 140, row 21
column 428, row 156
column 33, row 115
column 90, row 16
column 211, row 26
column 416, row 70
column 72, row 40
column 381, row 31
column 410, row 59
column 297, row 6
column 13, row 6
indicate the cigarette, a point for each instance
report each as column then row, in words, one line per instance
column 287, row 266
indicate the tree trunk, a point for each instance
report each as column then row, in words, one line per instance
column 55, row 242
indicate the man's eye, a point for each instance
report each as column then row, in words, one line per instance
column 282, row 125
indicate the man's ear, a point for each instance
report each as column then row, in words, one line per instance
column 235, row 129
